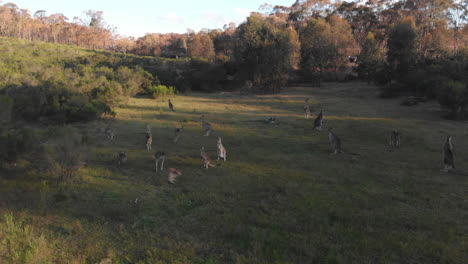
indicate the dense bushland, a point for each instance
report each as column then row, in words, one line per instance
column 62, row 84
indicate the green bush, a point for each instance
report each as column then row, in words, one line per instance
column 20, row 245
column 454, row 96
column 157, row 91
column 15, row 144
column 63, row 87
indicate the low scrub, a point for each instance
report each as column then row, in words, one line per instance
column 19, row 244
column 157, row 91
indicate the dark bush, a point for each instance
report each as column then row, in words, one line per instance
column 454, row 96
column 16, row 144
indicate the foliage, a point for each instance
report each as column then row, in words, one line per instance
column 202, row 47
column 17, row 143
column 157, row 91
column 324, row 44
column 67, row 153
column 454, row 95
column 370, row 58
column 19, row 244
column 6, row 104
column 266, row 52
column 401, row 54
column 64, row 84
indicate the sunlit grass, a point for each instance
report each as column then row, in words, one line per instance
column 279, row 198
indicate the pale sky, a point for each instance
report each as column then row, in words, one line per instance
column 137, row 17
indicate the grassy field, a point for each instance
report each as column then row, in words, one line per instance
column 279, row 198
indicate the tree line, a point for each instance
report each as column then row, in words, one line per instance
column 406, row 46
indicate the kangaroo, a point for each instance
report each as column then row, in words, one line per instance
column 109, row 133
column 122, row 158
column 306, row 108
column 319, row 121
column 159, row 156
column 205, row 158
column 173, row 174
column 335, row 142
column 271, row 120
column 149, row 141
column 177, row 133
column 206, row 126
column 449, row 164
column 394, row 139
column 221, row 150
column 171, row 106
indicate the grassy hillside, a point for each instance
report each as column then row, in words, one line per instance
column 279, row 198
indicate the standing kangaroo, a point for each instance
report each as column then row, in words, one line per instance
column 448, row 160
column 122, row 158
column 335, row 142
column 394, row 139
column 206, row 126
column 149, row 141
column 149, row 137
column 171, row 106
column 306, row 108
column 319, row 121
column 109, row 133
column 159, row 156
column 221, row 150
column 177, row 133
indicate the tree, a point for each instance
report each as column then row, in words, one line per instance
column 454, row 95
column 369, row 58
column 362, row 18
column 401, row 54
column 317, row 46
column 343, row 41
column 266, row 50
column 202, row 47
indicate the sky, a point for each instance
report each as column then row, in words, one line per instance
column 138, row 17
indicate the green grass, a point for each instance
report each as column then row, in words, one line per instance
column 280, row 197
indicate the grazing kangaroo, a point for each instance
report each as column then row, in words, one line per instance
column 335, row 141
column 394, row 139
column 206, row 126
column 205, row 158
column 109, row 133
column 159, row 156
column 177, row 133
column 319, row 121
column 449, row 164
column 221, row 150
column 173, row 174
column 306, row 108
column 171, row 106
column 121, row 158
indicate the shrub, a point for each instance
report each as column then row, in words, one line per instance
column 67, row 154
column 6, row 106
column 157, row 91
column 20, row 245
column 15, row 144
column 454, row 96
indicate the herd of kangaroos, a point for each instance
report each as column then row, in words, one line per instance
column 335, row 141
